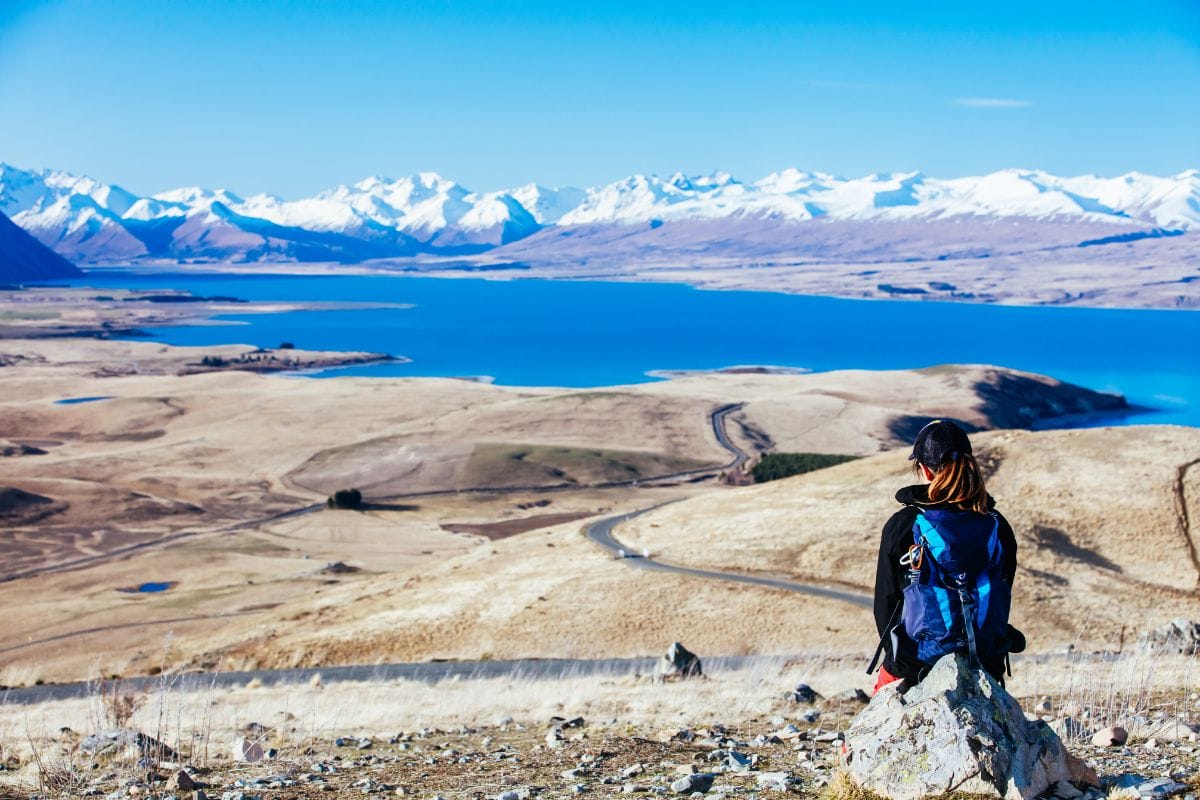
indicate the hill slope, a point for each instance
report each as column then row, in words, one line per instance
column 1105, row 552
column 23, row 258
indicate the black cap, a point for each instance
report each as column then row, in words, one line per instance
column 939, row 443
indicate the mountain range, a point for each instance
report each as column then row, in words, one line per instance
column 427, row 214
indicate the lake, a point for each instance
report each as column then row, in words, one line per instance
column 586, row 333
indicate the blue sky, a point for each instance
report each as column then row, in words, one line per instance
column 292, row 97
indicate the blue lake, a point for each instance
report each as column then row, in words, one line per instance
column 582, row 334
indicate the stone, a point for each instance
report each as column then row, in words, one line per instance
column 804, row 694
column 1162, row 787
column 774, row 781
column 850, row 696
column 1177, row 636
column 247, row 750
column 679, row 664
column 127, row 740
column 1065, row 790
column 184, row 782
column 956, row 731
column 562, row 722
column 699, row 782
column 1110, row 737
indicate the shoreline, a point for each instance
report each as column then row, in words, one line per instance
column 697, row 278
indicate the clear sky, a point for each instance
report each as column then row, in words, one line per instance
column 293, row 97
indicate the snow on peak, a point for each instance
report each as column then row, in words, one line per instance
column 427, row 209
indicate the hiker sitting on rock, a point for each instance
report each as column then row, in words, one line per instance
column 945, row 558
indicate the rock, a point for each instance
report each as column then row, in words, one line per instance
column 699, row 782
column 804, row 694
column 562, row 722
column 1065, row 790
column 1177, row 636
column 774, row 781
column 184, row 781
column 957, row 731
column 679, row 663
column 126, row 740
column 1110, row 737
column 850, row 696
column 247, row 750
column 1161, row 787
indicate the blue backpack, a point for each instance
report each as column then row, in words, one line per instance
column 956, row 599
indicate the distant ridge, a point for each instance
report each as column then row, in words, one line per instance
column 426, row 214
column 24, row 258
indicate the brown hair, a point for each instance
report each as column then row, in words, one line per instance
column 960, row 482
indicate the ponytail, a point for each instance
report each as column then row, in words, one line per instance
column 960, row 482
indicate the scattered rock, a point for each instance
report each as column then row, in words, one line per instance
column 774, row 781
column 1110, row 737
column 247, row 750
column 184, row 782
column 126, row 740
column 679, row 663
column 804, row 695
column 957, row 731
column 850, row 696
column 1177, row 636
column 699, row 782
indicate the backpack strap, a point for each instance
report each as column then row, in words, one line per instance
column 983, row 585
column 932, row 541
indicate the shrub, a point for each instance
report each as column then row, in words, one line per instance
column 287, row 346
column 773, row 466
column 350, row 499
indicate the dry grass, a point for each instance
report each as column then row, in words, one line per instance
column 200, row 721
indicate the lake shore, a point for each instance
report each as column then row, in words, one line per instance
column 1159, row 274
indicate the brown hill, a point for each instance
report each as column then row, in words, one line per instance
column 1106, row 551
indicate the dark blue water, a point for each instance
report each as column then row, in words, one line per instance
column 74, row 401
column 579, row 334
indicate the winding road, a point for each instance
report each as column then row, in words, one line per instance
column 602, row 533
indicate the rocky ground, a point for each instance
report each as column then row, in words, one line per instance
column 796, row 751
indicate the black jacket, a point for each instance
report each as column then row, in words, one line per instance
column 890, row 575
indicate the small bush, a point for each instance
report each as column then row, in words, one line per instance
column 350, row 499
column 287, row 346
column 773, row 466
column 120, row 703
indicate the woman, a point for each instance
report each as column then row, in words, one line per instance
column 947, row 556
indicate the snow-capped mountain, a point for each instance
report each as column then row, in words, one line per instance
column 426, row 213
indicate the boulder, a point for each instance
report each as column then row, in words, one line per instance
column 680, row 663
column 1177, row 636
column 956, row 731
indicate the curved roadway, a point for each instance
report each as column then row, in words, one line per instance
column 602, row 533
